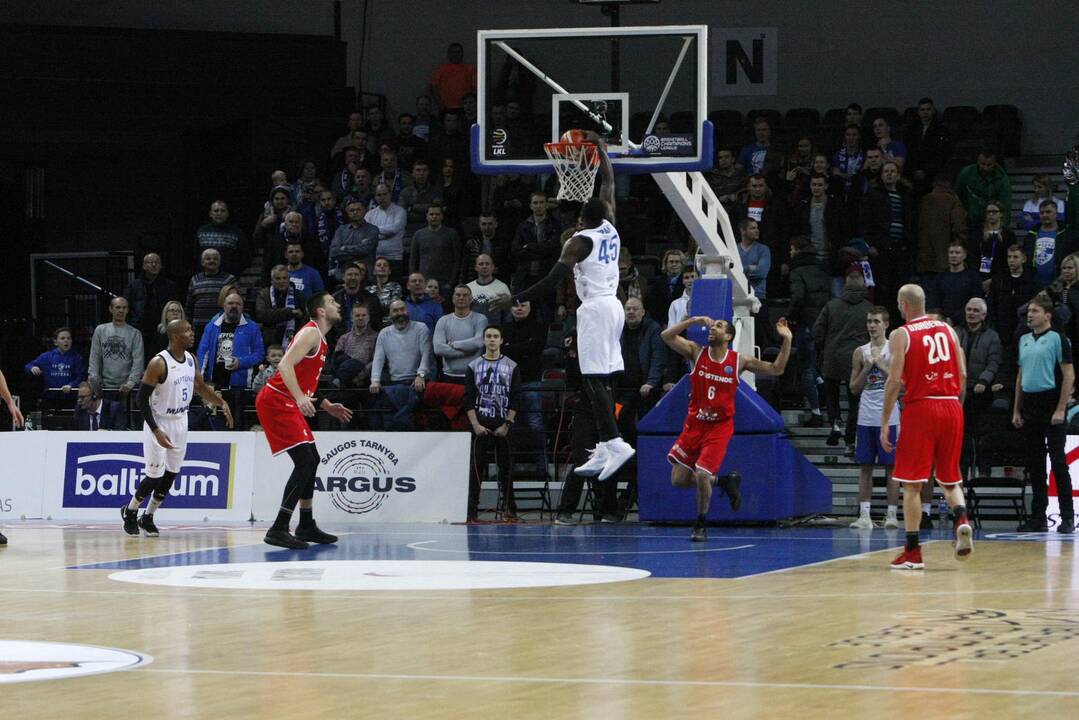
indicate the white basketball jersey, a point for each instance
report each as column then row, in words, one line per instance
column 172, row 396
column 871, row 403
column 597, row 274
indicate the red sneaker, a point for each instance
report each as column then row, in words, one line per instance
column 909, row 560
column 964, row 540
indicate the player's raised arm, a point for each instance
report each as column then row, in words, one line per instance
column 777, row 366
column 606, row 174
column 673, row 336
column 576, row 249
column 306, row 340
column 897, row 343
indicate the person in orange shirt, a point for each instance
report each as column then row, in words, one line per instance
column 453, row 79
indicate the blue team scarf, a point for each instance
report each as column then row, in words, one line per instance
column 288, row 328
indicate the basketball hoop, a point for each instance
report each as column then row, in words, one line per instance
column 576, row 164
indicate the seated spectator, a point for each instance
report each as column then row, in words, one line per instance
column 756, row 258
column 273, row 215
column 928, row 147
column 347, row 180
column 820, row 217
column 362, row 188
column 454, row 141
column 377, row 128
column 403, row 349
column 390, row 219
column 425, row 124
column 434, row 291
column 665, row 287
column 523, row 340
column 420, row 307
column 511, row 199
column 951, row 290
column 391, row 174
column 267, row 370
column 116, row 353
column 280, row 308
column 304, row 278
column 535, row 244
column 1066, row 287
column 679, row 309
column 726, row 179
column 751, row 158
column 418, row 197
column 492, row 397
column 355, row 350
column 486, row 287
column 891, row 150
column 352, row 293
column 436, row 249
column 95, row 413
column 980, row 183
column 854, row 115
column 993, row 243
column 458, row 337
column 942, row 222
column 173, row 310
column 230, row 348
column 327, row 221
column 61, row 369
column 982, row 349
column 1047, row 244
column 459, row 197
column 810, row 292
column 411, row 148
column 484, row 242
column 384, row 290
column 147, row 295
column 847, row 160
column 224, row 237
column 886, row 223
column 352, row 124
column 354, row 242
column 629, row 279
column 1044, row 189
column 800, row 189
column 452, row 80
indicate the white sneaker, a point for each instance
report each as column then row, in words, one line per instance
column 595, row 463
column 964, row 541
column 618, row 452
column 891, row 522
column 864, row 522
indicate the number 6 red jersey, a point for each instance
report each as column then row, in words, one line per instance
column 713, row 387
column 931, row 365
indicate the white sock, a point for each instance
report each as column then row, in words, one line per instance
column 892, row 510
column 863, row 508
column 927, row 508
column 154, row 505
column 133, row 506
column 815, row 411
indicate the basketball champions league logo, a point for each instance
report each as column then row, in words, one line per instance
column 360, row 477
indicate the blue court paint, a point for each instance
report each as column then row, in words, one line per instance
column 663, row 551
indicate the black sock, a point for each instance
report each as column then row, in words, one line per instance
column 960, row 514
column 701, row 519
column 306, row 518
column 282, row 521
column 912, row 541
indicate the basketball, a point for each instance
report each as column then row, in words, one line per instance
column 573, row 136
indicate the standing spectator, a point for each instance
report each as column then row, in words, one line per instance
column 942, row 222
column 629, row 278
column 355, row 351
column 663, row 288
column 354, row 242
column 523, row 340
column 1047, row 244
column 304, row 278
column 404, row 349
column 417, row 198
column 290, row 232
column 928, row 147
column 390, row 219
column 434, row 292
column 820, row 217
column 535, row 244
column 891, row 150
column 847, row 160
column 420, row 306
column 810, row 292
column 436, row 249
column 384, row 290
column 458, row 338
column 679, row 309
column 173, row 310
column 378, row 131
column 492, row 397
column 1044, row 189
column 752, row 157
column 839, row 329
column 352, row 293
column 756, row 258
column 1008, row 291
column 510, row 199
column 860, row 184
column 279, row 309
column 982, row 351
column 993, row 243
column 981, row 182
column 484, row 242
column 853, row 115
column 774, row 224
column 224, row 237
column 228, row 351
column 425, row 124
column 486, row 287
column 886, row 224
column 327, row 220
column 116, row 352
column 95, row 413
column 411, row 148
column 362, row 188
column 61, row 369
column 273, row 215
column 274, row 353
column 1043, row 387
column 452, row 79
column 147, row 295
column 454, row 141
column 726, row 179
column 390, row 173
column 353, row 124
column 458, row 194
column 951, row 290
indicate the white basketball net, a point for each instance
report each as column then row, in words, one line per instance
column 576, row 165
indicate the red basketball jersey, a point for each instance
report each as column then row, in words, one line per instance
column 307, row 370
column 713, row 386
column 931, row 365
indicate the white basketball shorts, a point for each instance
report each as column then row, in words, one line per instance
column 157, row 458
column 599, row 335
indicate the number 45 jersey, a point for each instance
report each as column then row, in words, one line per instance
column 931, row 366
column 597, row 275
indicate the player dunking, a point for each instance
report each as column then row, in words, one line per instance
column 928, row 360
column 171, row 379
column 592, row 257
column 699, row 451
column 5, row 395
column 283, row 407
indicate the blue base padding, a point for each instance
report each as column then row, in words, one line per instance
column 777, row 482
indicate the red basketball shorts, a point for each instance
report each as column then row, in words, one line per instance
column 702, row 444
column 930, row 436
column 284, row 424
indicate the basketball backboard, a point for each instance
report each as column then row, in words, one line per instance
column 644, row 89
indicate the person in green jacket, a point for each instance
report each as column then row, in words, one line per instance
column 980, row 183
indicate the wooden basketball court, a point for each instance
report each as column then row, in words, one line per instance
column 828, row 632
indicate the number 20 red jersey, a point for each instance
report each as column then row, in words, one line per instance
column 931, row 365
column 713, row 387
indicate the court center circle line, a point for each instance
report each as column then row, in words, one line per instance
column 417, row 546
